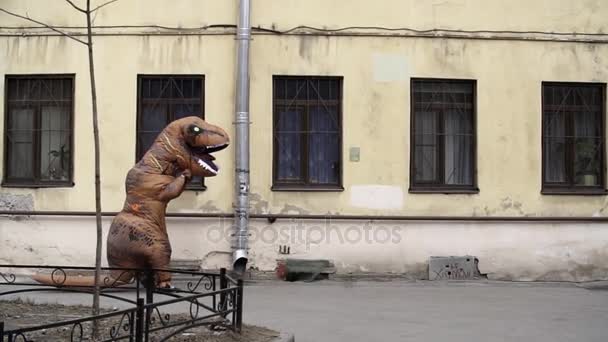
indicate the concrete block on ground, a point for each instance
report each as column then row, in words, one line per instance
column 304, row 269
column 453, row 268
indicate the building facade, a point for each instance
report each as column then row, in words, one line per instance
column 390, row 131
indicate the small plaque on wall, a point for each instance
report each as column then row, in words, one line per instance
column 354, row 154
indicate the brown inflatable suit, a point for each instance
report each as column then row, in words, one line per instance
column 138, row 235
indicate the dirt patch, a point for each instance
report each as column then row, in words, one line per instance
column 19, row 314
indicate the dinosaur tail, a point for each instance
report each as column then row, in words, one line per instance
column 105, row 280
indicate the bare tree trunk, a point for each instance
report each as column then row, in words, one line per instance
column 97, row 177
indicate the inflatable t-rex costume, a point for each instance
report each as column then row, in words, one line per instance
column 138, row 235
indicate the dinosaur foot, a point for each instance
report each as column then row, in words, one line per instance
column 165, row 285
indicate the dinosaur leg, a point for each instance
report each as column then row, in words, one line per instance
column 160, row 260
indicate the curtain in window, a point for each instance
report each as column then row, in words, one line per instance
column 183, row 110
column 457, row 148
column 555, row 147
column 587, row 148
column 289, row 143
column 426, row 147
column 323, row 145
column 20, row 143
column 54, row 144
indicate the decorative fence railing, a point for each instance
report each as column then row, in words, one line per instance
column 213, row 299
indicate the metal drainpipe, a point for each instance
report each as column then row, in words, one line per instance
column 241, row 207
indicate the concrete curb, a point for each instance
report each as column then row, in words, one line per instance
column 285, row 337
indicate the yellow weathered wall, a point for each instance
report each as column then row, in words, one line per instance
column 376, row 71
column 376, row 117
column 116, row 87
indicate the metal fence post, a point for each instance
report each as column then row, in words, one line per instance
column 239, row 306
column 1, row 331
column 139, row 321
column 223, row 286
column 150, row 285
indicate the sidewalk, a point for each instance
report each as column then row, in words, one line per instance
column 428, row 311
column 417, row 311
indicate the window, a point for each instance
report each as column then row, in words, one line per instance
column 443, row 156
column 163, row 99
column 307, row 133
column 573, row 137
column 38, row 131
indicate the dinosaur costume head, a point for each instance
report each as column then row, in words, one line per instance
column 190, row 142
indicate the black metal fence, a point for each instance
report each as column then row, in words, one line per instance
column 213, row 300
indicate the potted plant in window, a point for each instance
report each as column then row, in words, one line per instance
column 588, row 167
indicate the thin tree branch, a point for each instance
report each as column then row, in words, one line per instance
column 43, row 24
column 76, row 7
column 104, row 4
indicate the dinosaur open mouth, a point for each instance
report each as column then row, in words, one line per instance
column 205, row 159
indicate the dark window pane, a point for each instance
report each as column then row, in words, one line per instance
column 179, row 111
column 555, row 160
column 555, row 124
column 20, row 136
column 324, row 146
column 307, row 131
column 324, row 158
column 443, row 131
column 197, row 88
column 155, row 87
column 426, row 166
column 324, row 87
column 279, row 89
column 324, row 119
column 39, row 131
column 154, row 118
column 54, row 144
column 289, row 144
column 145, row 140
column 573, row 135
column 292, row 88
column 163, row 100
column 587, row 162
column 458, row 160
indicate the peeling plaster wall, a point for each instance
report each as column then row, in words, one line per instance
column 376, row 118
column 71, row 241
column 376, row 115
column 506, row 251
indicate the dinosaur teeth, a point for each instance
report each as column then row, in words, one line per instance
column 206, row 166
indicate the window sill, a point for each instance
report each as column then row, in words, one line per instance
column 574, row 192
column 471, row 191
column 36, row 186
column 294, row 188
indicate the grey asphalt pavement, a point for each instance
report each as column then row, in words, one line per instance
column 340, row 311
column 406, row 311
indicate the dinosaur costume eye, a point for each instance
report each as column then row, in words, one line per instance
column 195, row 130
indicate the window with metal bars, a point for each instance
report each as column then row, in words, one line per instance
column 307, row 128
column 443, row 152
column 163, row 99
column 573, row 137
column 38, row 131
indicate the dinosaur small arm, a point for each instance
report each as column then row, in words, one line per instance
column 138, row 235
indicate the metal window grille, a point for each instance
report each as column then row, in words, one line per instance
column 163, row 99
column 443, row 155
column 38, row 130
column 307, row 124
column 573, row 136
